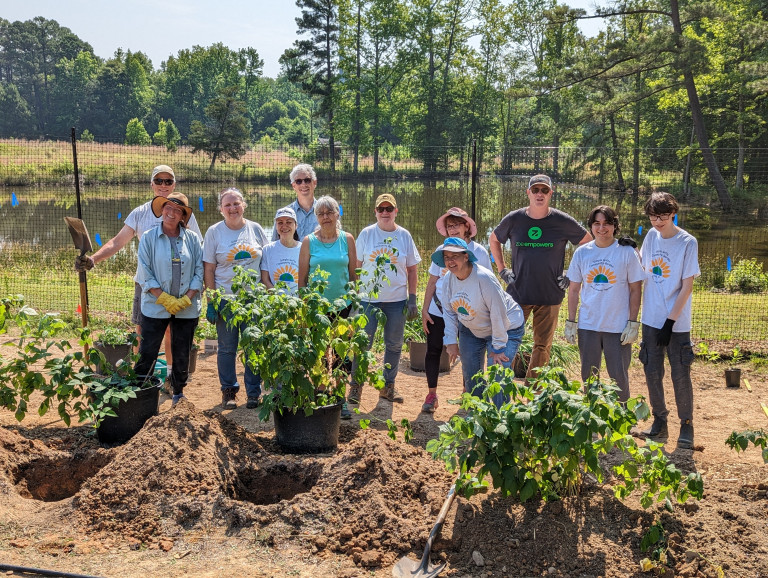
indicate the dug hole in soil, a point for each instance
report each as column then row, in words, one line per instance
column 208, row 493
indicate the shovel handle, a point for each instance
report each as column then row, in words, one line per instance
column 437, row 527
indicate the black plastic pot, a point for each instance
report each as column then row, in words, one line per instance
column 132, row 414
column 113, row 353
column 733, row 377
column 297, row 433
column 417, row 351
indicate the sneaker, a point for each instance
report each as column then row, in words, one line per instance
column 430, row 404
column 391, row 394
column 685, row 440
column 228, row 398
column 177, row 397
column 658, row 429
column 355, row 394
column 253, row 402
column 345, row 413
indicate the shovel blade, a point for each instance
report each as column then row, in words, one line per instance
column 79, row 234
column 408, row 568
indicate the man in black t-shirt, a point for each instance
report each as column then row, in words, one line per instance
column 538, row 236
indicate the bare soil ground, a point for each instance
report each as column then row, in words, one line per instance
column 204, row 492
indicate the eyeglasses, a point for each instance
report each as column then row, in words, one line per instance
column 166, row 182
column 660, row 217
column 326, row 214
column 303, row 181
column 385, row 209
column 454, row 225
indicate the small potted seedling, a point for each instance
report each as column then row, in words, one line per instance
column 732, row 373
column 116, row 344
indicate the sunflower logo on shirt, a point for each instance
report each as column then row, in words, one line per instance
column 659, row 269
column 462, row 307
column 601, row 278
column 388, row 253
column 286, row 273
column 241, row 252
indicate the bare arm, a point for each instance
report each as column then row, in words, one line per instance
column 114, row 244
column 574, row 289
column 412, row 274
column 635, row 290
column 266, row 279
column 586, row 239
column 209, row 279
column 497, row 252
column 353, row 261
column 304, row 263
column 682, row 298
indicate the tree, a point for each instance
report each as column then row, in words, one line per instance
column 136, row 134
column 226, row 132
column 167, row 135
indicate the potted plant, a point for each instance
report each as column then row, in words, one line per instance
column 206, row 332
column 294, row 341
column 48, row 366
column 732, row 373
column 115, row 343
column 417, row 346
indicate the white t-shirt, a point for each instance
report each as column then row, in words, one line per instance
column 142, row 219
column 401, row 252
column 482, row 259
column 605, row 275
column 282, row 264
column 227, row 248
column 666, row 263
column 481, row 305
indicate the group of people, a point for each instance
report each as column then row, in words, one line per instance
column 465, row 308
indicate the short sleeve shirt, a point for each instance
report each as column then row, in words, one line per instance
column 399, row 249
column 282, row 264
column 227, row 248
column 538, row 253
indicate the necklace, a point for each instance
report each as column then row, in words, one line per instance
column 327, row 245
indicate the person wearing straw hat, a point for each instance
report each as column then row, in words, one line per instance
column 280, row 260
column 481, row 319
column 170, row 274
column 454, row 223
column 139, row 221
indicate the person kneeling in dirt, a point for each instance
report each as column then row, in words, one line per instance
column 479, row 315
column 171, row 277
column 670, row 257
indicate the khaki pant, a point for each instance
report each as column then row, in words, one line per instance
column 544, row 325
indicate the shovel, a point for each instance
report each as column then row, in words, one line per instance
column 83, row 242
column 408, row 568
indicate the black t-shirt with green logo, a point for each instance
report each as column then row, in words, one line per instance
column 538, row 253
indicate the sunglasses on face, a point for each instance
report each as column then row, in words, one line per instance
column 166, row 182
column 385, row 209
column 303, row 181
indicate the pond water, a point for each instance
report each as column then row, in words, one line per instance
column 33, row 217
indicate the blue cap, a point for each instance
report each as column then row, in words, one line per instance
column 452, row 245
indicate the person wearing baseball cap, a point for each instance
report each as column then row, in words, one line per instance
column 481, row 319
column 454, row 223
column 538, row 236
column 280, row 261
column 170, row 275
column 396, row 298
column 139, row 221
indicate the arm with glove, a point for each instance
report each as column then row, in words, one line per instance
column 571, row 326
column 665, row 333
column 632, row 328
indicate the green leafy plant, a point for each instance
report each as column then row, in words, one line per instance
column 739, row 441
column 655, row 540
column 707, row 353
column 747, row 276
column 205, row 330
column 48, row 365
column 561, row 354
column 112, row 335
column 414, row 330
column 548, row 435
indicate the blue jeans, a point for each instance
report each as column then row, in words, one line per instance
column 473, row 351
column 394, row 327
column 229, row 339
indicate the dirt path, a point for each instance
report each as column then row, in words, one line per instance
column 206, row 493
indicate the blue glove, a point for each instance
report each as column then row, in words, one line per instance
column 211, row 314
column 665, row 333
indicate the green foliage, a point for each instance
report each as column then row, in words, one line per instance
column 739, row 441
column 136, row 134
column 549, row 433
column 113, row 335
column 747, row 276
column 226, row 132
column 167, row 135
column 47, row 366
column 205, row 330
column 708, row 354
column 86, row 136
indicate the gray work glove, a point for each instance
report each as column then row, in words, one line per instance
column 413, row 309
column 563, row 282
column 507, row 276
column 84, row 263
column 571, row 332
column 629, row 335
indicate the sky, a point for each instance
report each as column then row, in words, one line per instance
column 162, row 28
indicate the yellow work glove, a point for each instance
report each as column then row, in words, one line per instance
column 168, row 302
column 183, row 303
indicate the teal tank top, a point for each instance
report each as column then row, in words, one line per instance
column 333, row 258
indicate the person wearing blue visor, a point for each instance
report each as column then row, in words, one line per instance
column 481, row 319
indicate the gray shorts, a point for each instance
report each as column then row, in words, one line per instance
column 136, row 311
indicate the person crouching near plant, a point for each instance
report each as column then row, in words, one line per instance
column 606, row 273
column 481, row 319
column 454, row 223
column 670, row 258
column 170, row 274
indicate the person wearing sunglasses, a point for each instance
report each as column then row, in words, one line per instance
column 396, row 294
column 139, row 221
column 538, row 236
column 304, row 182
column 670, row 258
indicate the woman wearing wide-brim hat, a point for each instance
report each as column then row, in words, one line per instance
column 454, row 223
column 481, row 319
column 170, row 274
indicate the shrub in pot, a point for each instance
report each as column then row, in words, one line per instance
column 292, row 341
column 115, row 343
